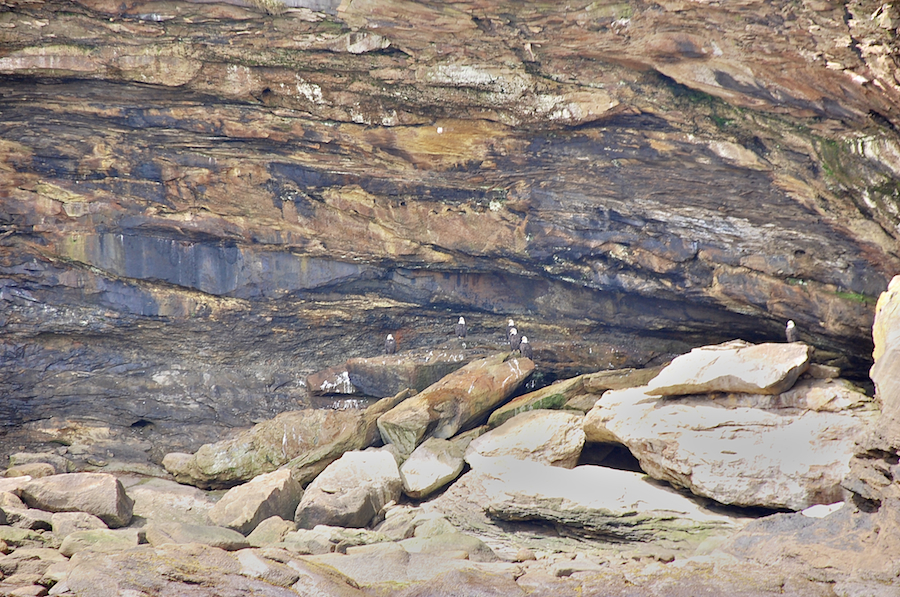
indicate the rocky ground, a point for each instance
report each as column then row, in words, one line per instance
column 726, row 471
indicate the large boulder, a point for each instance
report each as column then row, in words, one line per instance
column 388, row 374
column 735, row 366
column 163, row 500
column 431, row 466
column 95, row 493
column 550, row 437
column 554, row 396
column 245, row 506
column 351, row 490
column 99, row 540
column 458, row 399
column 596, row 501
column 729, row 449
column 304, row 441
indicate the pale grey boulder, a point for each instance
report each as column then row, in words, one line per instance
column 460, row 398
column 351, row 490
column 162, row 500
column 175, row 533
column 735, row 366
column 272, row 530
column 266, row 495
column 432, row 465
column 99, row 494
column 454, row 545
column 552, row 437
column 28, row 518
column 99, row 540
column 255, row 564
column 788, row 458
column 66, row 523
column 327, row 539
column 304, row 441
column 29, row 561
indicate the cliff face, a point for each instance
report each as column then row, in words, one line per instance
column 203, row 202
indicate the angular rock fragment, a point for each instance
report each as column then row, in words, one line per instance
column 95, row 493
column 735, row 366
column 271, row 530
column 432, row 465
column 162, row 500
column 66, row 523
column 334, row 380
column 350, row 491
column 447, row 406
column 267, row 495
column 547, row 436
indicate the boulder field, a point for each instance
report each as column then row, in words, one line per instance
column 753, row 471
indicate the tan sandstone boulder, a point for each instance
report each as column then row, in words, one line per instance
column 95, row 493
column 550, row 437
column 445, row 407
column 267, row 495
column 735, row 366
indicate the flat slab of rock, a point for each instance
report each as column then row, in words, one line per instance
column 550, row 437
column 247, row 505
column 350, row 491
column 173, row 532
column 744, row 456
column 445, row 407
column 734, row 366
column 303, row 441
column 389, row 374
column 598, row 502
column 431, row 466
column 99, row 540
column 333, row 380
column 619, row 379
column 553, row 396
column 95, row 493
column 162, row 500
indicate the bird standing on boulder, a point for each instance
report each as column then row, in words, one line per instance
column 509, row 327
column 390, row 345
column 514, row 339
column 461, row 328
column 525, row 348
column 791, row 332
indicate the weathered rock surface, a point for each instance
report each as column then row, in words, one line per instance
column 597, row 501
column 733, row 452
column 553, row 396
column 350, row 491
column 247, row 505
column 99, row 540
column 303, row 441
column 162, row 500
column 95, row 493
column 214, row 536
column 432, row 465
column 550, row 437
column 271, row 530
column 733, row 367
column 388, row 374
column 446, row 407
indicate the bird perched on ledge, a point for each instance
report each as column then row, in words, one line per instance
column 525, row 348
column 791, row 332
column 510, row 325
column 390, row 345
column 514, row 339
column 461, row 328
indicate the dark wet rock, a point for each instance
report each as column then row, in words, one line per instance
column 389, row 374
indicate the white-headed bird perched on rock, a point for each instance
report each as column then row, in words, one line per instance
column 525, row 348
column 791, row 332
column 461, row 328
column 514, row 339
column 390, row 345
